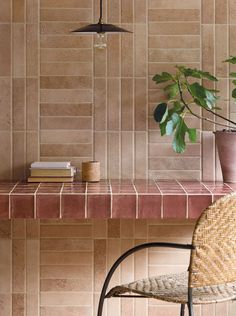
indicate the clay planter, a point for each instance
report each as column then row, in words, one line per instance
column 226, row 144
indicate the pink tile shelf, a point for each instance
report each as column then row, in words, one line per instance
column 145, row 199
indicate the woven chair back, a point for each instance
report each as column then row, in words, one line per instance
column 213, row 261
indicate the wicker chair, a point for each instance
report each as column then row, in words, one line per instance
column 211, row 276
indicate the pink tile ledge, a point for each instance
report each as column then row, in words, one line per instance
column 137, row 199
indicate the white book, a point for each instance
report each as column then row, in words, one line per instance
column 50, row 164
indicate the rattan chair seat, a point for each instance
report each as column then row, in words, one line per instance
column 174, row 288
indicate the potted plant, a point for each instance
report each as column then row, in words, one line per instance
column 186, row 89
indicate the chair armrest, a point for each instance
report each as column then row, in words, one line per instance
column 138, row 248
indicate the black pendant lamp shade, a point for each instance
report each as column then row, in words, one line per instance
column 100, row 27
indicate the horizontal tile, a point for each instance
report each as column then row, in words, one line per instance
column 66, row 285
column 66, row 3
column 174, row 41
column 64, row 14
column 67, row 41
column 172, row 4
column 73, row 150
column 65, row 271
column 174, row 55
column 172, row 15
column 75, row 123
column 65, row 299
column 66, row 231
column 65, row 310
column 174, row 28
column 60, row 244
column 63, row 137
column 55, row 82
column 65, row 55
column 66, row 69
column 59, row 258
column 65, row 95
column 65, row 109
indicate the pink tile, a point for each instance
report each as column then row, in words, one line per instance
column 6, row 187
column 73, row 205
column 22, row 206
column 48, row 206
column 100, row 187
column 218, row 188
column 71, row 188
column 197, row 203
column 50, row 188
column 232, row 186
column 194, row 187
column 169, row 187
column 4, row 206
column 174, row 206
column 123, row 206
column 99, row 206
column 146, row 186
column 25, row 188
column 149, row 206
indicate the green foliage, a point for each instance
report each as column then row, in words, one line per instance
column 181, row 94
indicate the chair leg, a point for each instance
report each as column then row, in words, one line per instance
column 190, row 302
column 190, row 309
column 182, row 310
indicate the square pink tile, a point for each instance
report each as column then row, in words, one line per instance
column 22, row 206
column 149, row 206
column 197, row 203
column 48, row 205
column 123, row 206
column 174, row 206
column 218, row 188
column 4, row 206
column 73, row 205
column 99, row 206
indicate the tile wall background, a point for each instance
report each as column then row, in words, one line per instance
column 61, row 99
column 53, row 268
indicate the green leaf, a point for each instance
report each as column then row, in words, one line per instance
column 163, row 77
column 231, row 60
column 163, row 128
column 192, row 134
column 172, row 90
column 169, row 128
column 179, row 138
column 160, row 112
column 232, row 74
column 197, row 90
column 195, row 73
column 234, row 82
column 210, row 99
column 234, row 93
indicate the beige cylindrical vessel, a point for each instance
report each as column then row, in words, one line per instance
column 91, row 171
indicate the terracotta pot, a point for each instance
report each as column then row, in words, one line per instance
column 226, row 144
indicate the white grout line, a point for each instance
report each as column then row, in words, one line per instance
column 9, row 198
column 162, row 210
column 86, row 201
column 187, row 195
column 35, row 201
column 110, row 186
column 136, row 194
column 62, row 187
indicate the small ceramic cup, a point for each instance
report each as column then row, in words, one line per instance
column 91, row 171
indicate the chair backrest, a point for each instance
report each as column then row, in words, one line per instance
column 213, row 261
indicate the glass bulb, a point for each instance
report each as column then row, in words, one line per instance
column 100, row 42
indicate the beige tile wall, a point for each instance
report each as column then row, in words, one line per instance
column 61, row 99
column 51, row 268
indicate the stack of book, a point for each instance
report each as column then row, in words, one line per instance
column 52, row 172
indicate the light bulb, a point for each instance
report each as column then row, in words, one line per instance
column 100, row 42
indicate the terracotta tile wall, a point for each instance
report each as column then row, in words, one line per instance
column 52, row 268
column 61, row 99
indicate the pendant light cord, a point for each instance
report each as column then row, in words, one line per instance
column 100, row 18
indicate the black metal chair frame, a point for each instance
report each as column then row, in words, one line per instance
column 131, row 251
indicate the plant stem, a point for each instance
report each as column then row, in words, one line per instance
column 196, row 115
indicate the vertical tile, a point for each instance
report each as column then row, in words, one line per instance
column 18, row 46
column 18, row 266
column 32, row 50
column 127, row 104
column 140, row 105
column 140, row 155
column 32, row 11
column 19, row 104
column 127, row 155
column 19, row 146
column 100, row 152
column 113, row 104
column 100, row 104
column 113, row 56
column 221, row 7
column 5, row 49
column 18, row 304
column 6, row 304
column 113, row 156
column 5, row 104
column 32, row 103
column 5, row 13
column 113, row 11
column 140, row 58
column 208, row 48
column 221, row 49
column 18, row 8
column 208, row 154
column 208, row 11
column 100, row 62
column 5, row 155
column 127, row 11
column 32, row 266
column 140, row 11
column 127, row 53
column 100, row 250
column 32, row 148
column 5, row 266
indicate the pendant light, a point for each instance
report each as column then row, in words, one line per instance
column 100, row 28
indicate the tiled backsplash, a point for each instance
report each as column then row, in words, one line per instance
column 63, row 100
